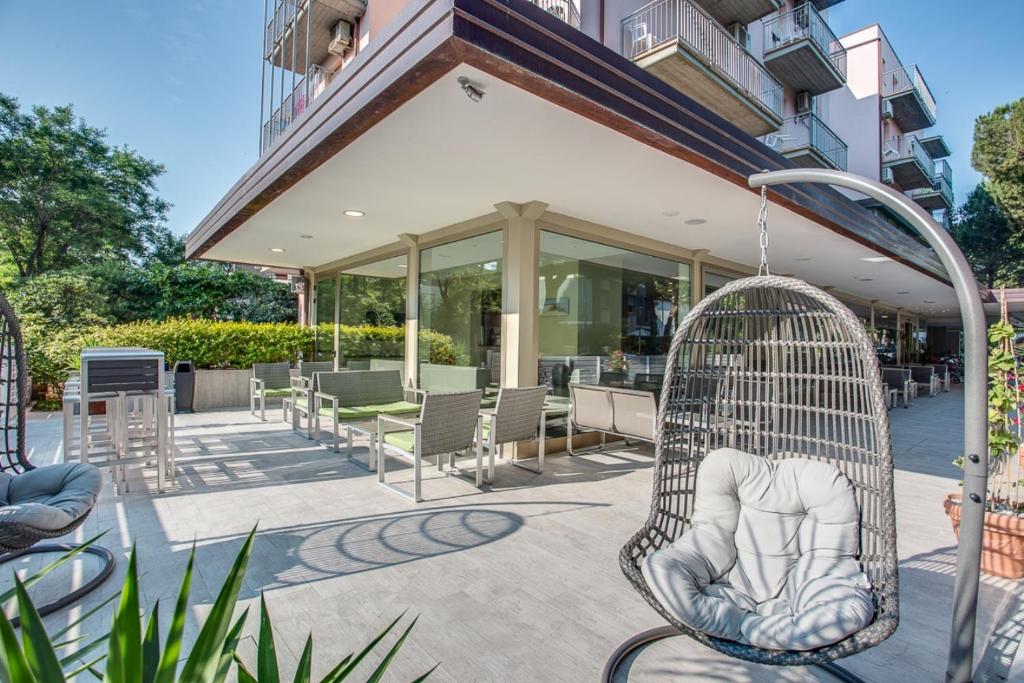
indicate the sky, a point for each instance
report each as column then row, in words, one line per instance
column 178, row 80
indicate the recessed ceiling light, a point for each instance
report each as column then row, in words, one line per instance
column 669, row 214
column 696, row 221
column 865, row 279
column 903, row 292
column 802, row 258
column 925, row 301
column 876, row 259
column 306, row 237
column 402, row 265
column 278, row 250
column 354, row 213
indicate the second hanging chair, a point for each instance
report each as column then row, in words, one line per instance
column 777, row 368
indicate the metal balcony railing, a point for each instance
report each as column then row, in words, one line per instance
column 808, row 131
column 665, row 21
column 906, row 147
column 297, row 101
column 284, row 10
column 803, row 23
column 563, row 9
column 909, row 79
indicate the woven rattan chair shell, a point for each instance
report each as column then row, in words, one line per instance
column 776, row 367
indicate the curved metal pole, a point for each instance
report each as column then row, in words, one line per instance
column 965, row 597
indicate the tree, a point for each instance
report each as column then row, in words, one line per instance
column 999, row 154
column 988, row 240
column 66, row 196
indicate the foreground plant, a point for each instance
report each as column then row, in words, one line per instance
column 134, row 654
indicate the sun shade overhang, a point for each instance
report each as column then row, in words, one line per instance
column 522, row 45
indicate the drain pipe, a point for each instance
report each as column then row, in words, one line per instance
column 960, row 663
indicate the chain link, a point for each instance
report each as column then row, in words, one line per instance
column 762, row 224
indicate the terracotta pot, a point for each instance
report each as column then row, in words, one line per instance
column 1002, row 543
column 97, row 407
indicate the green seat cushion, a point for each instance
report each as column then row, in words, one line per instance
column 363, row 412
column 404, row 440
column 277, row 392
column 488, row 402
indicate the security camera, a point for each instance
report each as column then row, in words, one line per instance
column 472, row 92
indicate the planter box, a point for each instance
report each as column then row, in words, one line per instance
column 217, row 389
column 1002, row 543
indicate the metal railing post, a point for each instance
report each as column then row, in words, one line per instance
column 960, row 663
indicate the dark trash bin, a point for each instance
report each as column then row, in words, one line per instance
column 184, row 386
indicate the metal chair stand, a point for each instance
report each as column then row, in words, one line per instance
column 63, row 548
column 661, row 632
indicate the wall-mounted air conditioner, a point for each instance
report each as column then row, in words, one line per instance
column 341, row 38
column 886, row 111
column 804, row 103
column 887, row 175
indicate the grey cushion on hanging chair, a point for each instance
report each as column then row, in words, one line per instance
column 770, row 558
column 49, row 498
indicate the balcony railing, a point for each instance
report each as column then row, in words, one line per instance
column 283, row 12
column 906, row 147
column 942, row 180
column 563, row 9
column 909, row 79
column 805, row 23
column 297, row 101
column 666, row 21
column 810, row 132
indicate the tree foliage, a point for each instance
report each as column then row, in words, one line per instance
column 67, row 197
column 994, row 250
column 999, row 154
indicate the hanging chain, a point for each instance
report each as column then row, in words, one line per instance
column 762, row 223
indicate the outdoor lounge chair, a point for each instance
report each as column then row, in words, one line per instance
column 518, row 416
column 45, row 502
column 353, row 396
column 302, row 389
column 269, row 380
column 448, row 424
column 924, row 376
column 942, row 373
column 610, row 410
column 899, row 379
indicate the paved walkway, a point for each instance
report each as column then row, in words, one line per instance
column 520, row 581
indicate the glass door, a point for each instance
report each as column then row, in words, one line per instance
column 326, row 320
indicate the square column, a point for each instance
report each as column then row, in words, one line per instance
column 412, row 309
column 519, row 273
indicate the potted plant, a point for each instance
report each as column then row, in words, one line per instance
column 1003, row 538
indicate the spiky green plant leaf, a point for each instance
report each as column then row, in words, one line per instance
column 151, row 646
column 39, row 653
column 230, row 647
column 172, row 645
column 266, row 651
column 390, row 656
column 204, row 660
column 305, row 668
column 124, row 654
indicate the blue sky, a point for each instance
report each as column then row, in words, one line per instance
column 178, row 80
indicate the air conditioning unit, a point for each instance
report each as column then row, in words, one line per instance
column 886, row 111
column 297, row 284
column 804, row 103
column 341, row 38
column 887, row 176
column 739, row 32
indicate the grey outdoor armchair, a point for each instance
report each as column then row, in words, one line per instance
column 269, row 380
column 448, row 424
column 517, row 416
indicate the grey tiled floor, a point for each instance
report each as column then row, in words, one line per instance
column 520, row 581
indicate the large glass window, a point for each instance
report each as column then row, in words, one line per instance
column 371, row 334
column 607, row 315
column 715, row 281
column 460, row 314
column 323, row 341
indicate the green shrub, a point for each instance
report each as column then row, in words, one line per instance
column 216, row 344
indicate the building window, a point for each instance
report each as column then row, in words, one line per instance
column 460, row 314
column 372, row 316
column 715, row 281
column 323, row 339
column 606, row 315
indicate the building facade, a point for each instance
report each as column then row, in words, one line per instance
column 531, row 191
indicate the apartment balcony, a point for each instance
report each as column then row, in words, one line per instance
column 290, row 30
column 907, row 99
column 295, row 103
column 565, row 10
column 939, row 195
column 821, row 5
column 906, row 164
column 743, row 12
column 801, row 51
column 683, row 45
column 806, row 140
column 935, row 146
column 944, row 217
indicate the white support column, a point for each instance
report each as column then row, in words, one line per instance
column 697, row 276
column 336, row 337
column 412, row 309
column 519, row 273
column 899, row 336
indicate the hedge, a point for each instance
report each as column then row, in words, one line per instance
column 216, row 344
